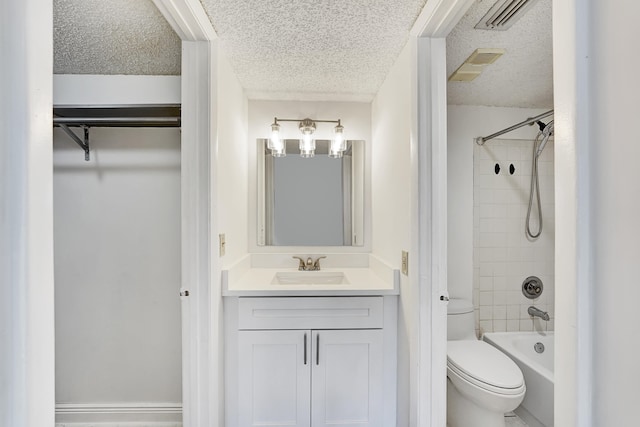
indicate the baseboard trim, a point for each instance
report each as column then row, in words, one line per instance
column 120, row 424
column 165, row 414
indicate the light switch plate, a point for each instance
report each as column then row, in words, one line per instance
column 223, row 245
column 405, row 263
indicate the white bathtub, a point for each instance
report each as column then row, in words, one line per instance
column 537, row 407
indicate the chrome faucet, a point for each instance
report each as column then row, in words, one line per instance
column 309, row 264
column 536, row 312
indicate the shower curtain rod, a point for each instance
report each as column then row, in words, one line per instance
column 482, row 139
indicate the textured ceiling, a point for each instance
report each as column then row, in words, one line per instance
column 308, row 49
column 312, row 46
column 522, row 77
column 113, row 37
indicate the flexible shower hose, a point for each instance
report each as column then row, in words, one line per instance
column 534, row 186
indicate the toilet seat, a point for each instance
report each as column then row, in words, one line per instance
column 484, row 366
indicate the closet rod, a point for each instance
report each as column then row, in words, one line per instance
column 117, row 121
column 482, row 139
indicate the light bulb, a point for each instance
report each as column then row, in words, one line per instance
column 307, row 146
column 275, row 142
column 338, row 143
column 279, row 151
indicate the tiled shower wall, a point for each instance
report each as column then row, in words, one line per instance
column 503, row 256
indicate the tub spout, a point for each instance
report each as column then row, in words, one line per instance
column 536, row 312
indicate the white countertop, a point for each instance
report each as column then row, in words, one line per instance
column 377, row 279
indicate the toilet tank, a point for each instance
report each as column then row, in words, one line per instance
column 460, row 320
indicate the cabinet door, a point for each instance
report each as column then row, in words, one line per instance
column 274, row 378
column 347, row 378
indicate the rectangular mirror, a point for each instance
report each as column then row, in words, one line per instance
column 317, row 201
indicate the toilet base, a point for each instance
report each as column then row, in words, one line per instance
column 462, row 412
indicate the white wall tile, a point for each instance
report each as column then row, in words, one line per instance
column 486, row 298
column 503, row 256
column 499, row 312
column 486, row 326
column 486, row 283
column 539, row 325
column 499, row 297
column 513, row 325
column 513, row 312
column 526, row 325
column 486, row 312
column 486, row 269
column 550, row 325
column 503, row 196
column 513, row 296
column 500, row 283
column 499, row 325
column 514, row 153
column 500, row 268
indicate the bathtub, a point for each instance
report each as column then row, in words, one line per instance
column 537, row 407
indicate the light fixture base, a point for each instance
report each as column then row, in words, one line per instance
column 307, row 126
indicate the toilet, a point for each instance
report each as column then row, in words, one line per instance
column 482, row 382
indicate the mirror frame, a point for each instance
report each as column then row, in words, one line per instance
column 360, row 235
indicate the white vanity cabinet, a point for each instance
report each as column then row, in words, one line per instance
column 311, row 361
column 273, row 378
column 347, row 378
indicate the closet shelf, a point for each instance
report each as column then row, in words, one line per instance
column 86, row 117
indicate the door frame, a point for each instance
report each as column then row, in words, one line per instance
column 202, row 369
column 429, row 142
column 574, row 321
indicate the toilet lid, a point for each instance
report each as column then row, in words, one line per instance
column 483, row 364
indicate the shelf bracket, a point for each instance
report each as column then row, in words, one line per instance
column 82, row 144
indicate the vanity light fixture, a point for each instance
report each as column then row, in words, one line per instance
column 276, row 144
column 307, row 144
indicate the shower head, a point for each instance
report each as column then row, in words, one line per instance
column 546, row 132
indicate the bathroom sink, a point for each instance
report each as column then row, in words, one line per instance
column 309, row 278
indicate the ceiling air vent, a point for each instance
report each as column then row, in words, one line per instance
column 504, row 14
column 475, row 63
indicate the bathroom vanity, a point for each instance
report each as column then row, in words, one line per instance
column 303, row 352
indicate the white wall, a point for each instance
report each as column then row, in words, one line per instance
column 391, row 184
column 231, row 166
column 356, row 119
column 597, row 212
column 26, row 211
column 91, row 89
column 464, row 124
column 615, row 208
column 117, row 267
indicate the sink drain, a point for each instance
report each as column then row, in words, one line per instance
column 538, row 347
